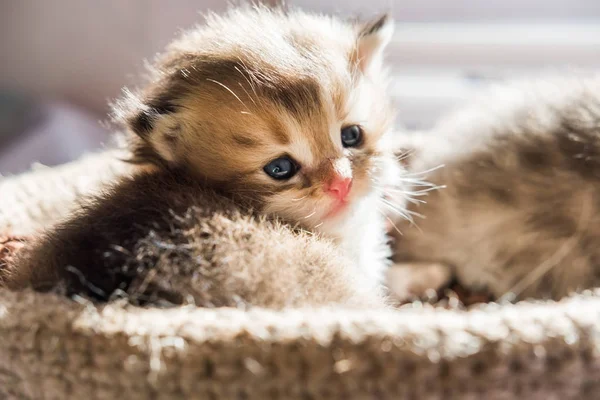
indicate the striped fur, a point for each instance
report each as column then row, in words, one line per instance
column 247, row 87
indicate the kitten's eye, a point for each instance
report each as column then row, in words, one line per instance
column 351, row 136
column 281, row 168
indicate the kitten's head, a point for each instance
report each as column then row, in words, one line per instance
column 288, row 110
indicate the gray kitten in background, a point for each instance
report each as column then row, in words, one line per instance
column 517, row 206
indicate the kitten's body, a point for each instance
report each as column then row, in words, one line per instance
column 520, row 210
column 283, row 112
column 163, row 237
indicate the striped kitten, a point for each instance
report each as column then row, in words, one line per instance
column 285, row 110
column 521, row 203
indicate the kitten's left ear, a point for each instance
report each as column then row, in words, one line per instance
column 373, row 37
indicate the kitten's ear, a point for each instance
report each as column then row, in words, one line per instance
column 152, row 119
column 373, row 37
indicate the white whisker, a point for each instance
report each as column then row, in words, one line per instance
column 249, row 83
column 403, row 212
column 252, row 85
column 398, row 211
column 404, row 155
column 311, row 214
column 421, row 192
column 418, row 182
column 392, row 222
column 407, row 217
column 230, row 91
column 416, row 202
column 425, row 172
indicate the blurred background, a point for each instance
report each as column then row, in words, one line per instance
column 63, row 60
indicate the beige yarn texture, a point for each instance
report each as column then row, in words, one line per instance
column 53, row 348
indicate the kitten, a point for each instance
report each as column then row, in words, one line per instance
column 283, row 112
column 520, row 205
column 286, row 110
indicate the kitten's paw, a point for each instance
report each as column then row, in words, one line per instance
column 9, row 245
column 408, row 281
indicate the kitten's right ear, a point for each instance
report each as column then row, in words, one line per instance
column 146, row 119
column 152, row 119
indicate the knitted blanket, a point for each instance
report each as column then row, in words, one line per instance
column 55, row 348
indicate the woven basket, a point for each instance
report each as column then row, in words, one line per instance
column 54, row 348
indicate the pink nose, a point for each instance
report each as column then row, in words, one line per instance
column 339, row 187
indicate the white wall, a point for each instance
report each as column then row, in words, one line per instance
column 85, row 50
column 463, row 10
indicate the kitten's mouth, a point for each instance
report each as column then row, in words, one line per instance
column 337, row 209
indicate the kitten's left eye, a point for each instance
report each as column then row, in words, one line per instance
column 281, row 168
column 351, row 136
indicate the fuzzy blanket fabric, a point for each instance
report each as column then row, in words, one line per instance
column 54, row 348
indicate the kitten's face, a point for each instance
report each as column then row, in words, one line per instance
column 294, row 120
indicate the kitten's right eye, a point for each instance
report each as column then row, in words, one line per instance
column 281, row 168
